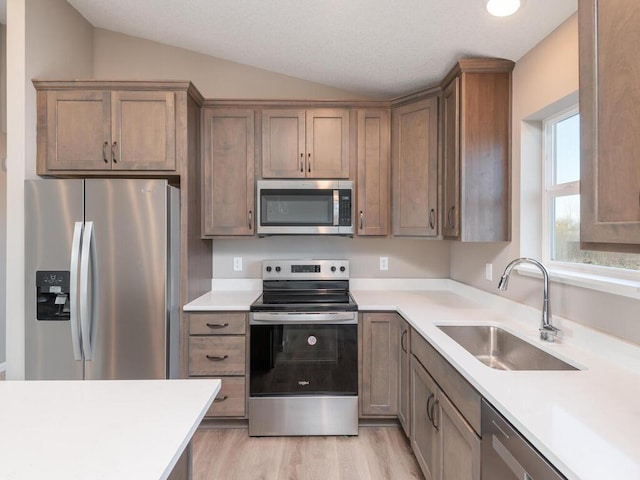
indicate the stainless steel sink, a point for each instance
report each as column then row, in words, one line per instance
column 502, row 350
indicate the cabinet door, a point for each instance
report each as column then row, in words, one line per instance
column 609, row 124
column 404, row 394
column 373, row 172
column 451, row 160
column 424, row 436
column 228, row 190
column 283, row 144
column 78, row 129
column 327, row 139
column 380, row 339
column 459, row 446
column 414, row 166
column 143, row 131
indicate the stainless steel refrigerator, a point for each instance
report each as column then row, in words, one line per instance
column 102, row 279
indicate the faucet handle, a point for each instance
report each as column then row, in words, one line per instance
column 549, row 333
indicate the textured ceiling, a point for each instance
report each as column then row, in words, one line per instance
column 372, row 47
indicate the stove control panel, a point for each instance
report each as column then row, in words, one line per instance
column 305, row 269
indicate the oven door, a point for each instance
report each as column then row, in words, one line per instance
column 308, row 355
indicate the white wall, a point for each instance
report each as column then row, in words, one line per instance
column 408, row 258
column 45, row 39
column 546, row 75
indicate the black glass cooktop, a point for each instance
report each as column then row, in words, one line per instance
column 305, row 296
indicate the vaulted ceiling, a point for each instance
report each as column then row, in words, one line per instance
column 373, row 47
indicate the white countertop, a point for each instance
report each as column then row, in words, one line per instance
column 98, row 429
column 585, row 422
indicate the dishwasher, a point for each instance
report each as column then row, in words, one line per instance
column 506, row 454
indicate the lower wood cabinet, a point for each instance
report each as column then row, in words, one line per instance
column 218, row 348
column 444, row 444
column 379, row 357
column 404, row 397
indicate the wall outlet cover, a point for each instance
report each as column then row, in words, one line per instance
column 237, row 264
column 488, row 271
column 384, row 263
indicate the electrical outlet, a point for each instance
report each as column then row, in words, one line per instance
column 384, row 263
column 488, row 271
column 237, row 264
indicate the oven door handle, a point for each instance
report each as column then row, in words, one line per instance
column 271, row 318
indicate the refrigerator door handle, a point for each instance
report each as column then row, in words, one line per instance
column 73, row 290
column 88, row 291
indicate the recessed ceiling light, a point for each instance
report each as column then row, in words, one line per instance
column 503, row 8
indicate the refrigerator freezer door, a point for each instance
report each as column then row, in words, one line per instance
column 130, row 229
column 52, row 207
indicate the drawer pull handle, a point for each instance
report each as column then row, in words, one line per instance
column 429, row 409
column 114, row 148
column 105, row 146
column 403, row 341
column 433, row 414
column 220, row 399
column 214, row 358
column 217, row 325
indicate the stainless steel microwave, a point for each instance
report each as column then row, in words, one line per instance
column 305, row 207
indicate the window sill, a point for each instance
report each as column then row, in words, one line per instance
column 615, row 286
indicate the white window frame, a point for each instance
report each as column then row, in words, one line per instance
column 571, row 270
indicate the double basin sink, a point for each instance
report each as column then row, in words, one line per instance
column 501, row 350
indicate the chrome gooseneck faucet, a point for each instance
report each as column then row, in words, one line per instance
column 548, row 332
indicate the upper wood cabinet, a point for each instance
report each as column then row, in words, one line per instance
column 414, row 168
column 106, row 130
column 609, row 35
column 476, row 151
column 228, row 165
column 305, row 143
column 373, row 172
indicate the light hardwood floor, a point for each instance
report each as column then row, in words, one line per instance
column 377, row 453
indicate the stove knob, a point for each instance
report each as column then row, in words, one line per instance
column 342, row 269
column 268, row 269
column 333, row 269
column 278, row 269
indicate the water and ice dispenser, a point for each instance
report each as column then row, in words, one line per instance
column 52, row 295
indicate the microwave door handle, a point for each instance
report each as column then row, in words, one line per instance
column 336, row 207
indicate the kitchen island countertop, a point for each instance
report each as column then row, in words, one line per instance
column 109, row 429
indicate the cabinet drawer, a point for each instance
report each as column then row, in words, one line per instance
column 232, row 323
column 216, row 356
column 231, row 400
column 462, row 394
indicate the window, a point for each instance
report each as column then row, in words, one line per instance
column 561, row 196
